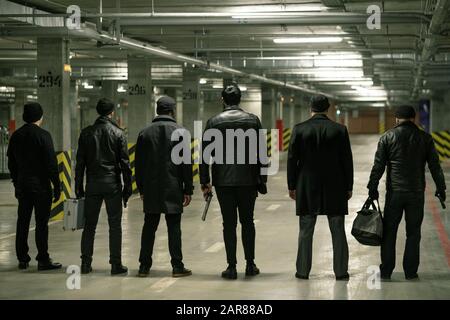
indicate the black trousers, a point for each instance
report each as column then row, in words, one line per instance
column 148, row 238
column 232, row 200
column 41, row 203
column 96, row 193
column 305, row 244
column 412, row 203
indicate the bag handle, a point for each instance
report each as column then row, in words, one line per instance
column 370, row 202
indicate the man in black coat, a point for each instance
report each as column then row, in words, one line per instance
column 33, row 167
column 404, row 150
column 236, row 183
column 164, row 185
column 103, row 154
column 320, row 180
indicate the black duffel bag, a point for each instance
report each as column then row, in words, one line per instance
column 368, row 225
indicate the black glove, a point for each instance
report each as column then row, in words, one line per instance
column 441, row 195
column 79, row 193
column 17, row 192
column 262, row 188
column 56, row 194
column 373, row 194
column 126, row 194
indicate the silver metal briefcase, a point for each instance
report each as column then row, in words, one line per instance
column 74, row 214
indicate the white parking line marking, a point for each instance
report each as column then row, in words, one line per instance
column 163, row 284
column 273, row 207
column 31, row 229
column 216, row 247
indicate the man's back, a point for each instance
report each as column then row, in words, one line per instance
column 31, row 156
column 404, row 150
column 320, row 166
column 158, row 178
column 102, row 148
column 243, row 173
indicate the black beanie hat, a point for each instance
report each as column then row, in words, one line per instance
column 319, row 103
column 405, row 112
column 104, row 107
column 32, row 112
column 165, row 104
column 231, row 95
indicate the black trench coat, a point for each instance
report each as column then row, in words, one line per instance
column 320, row 167
column 162, row 182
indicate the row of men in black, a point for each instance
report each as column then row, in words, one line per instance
column 318, row 184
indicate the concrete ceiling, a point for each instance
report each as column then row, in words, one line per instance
column 390, row 59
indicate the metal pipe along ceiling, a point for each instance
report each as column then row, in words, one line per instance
column 148, row 49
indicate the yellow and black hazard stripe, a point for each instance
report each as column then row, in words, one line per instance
column 269, row 144
column 442, row 143
column 195, row 154
column 286, row 138
column 65, row 176
column 132, row 154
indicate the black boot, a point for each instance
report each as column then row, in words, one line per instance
column 117, row 269
column 23, row 265
column 144, row 270
column 181, row 272
column 230, row 273
column 86, row 268
column 48, row 265
column 251, row 269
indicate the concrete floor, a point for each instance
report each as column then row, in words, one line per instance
column 277, row 231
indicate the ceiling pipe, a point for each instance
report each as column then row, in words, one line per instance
column 430, row 47
column 149, row 49
column 302, row 19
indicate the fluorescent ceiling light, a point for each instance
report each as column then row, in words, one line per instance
column 308, row 40
column 202, row 81
column 243, row 88
column 367, row 83
column 217, row 86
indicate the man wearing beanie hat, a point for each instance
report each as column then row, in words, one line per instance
column 33, row 167
column 103, row 155
column 165, row 187
column 320, row 180
column 404, row 150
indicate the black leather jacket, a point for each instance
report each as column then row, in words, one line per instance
column 246, row 174
column 404, row 150
column 103, row 154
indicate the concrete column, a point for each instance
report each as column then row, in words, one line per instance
column 268, row 112
column 53, row 89
column 193, row 102
column 75, row 115
column 382, row 121
column 291, row 104
column 109, row 90
column 440, row 117
column 346, row 119
column 252, row 100
column 179, row 99
column 141, row 108
column 19, row 102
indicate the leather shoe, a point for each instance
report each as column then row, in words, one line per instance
column 345, row 277
column 143, row 271
column 299, row 276
column 230, row 273
column 86, row 268
column 412, row 277
column 181, row 272
column 23, row 265
column 117, row 269
column 49, row 265
column 251, row 269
